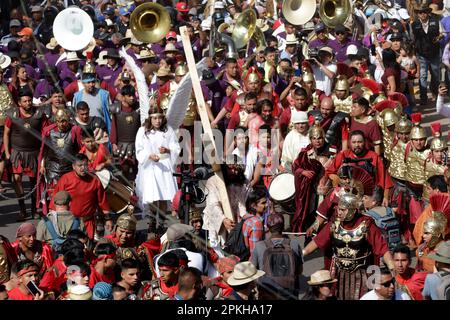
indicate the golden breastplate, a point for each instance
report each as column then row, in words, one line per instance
column 343, row 105
column 191, row 113
column 243, row 115
column 315, row 100
column 397, row 165
column 5, row 102
column 388, row 138
column 415, row 161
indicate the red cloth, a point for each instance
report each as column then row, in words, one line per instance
column 304, row 187
column 95, row 277
column 371, row 130
column 381, row 177
column 87, row 195
column 151, row 249
column 414, row 283
column 54, row 277
column 101, row 156
column 374, row 236
column 43, row 249
column 170, row 291
column 16, row 294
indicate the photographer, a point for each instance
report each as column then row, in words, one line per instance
column 324, row 69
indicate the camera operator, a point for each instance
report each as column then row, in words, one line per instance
column 323, row 68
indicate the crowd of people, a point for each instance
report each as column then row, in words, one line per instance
column 315, row 123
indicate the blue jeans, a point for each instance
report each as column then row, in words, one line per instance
column 434, row 66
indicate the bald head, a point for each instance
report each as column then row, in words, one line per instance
column 326, row 107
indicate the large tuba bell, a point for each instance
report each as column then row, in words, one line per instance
column 73, row 29
column 335, row 12
column 150, row 22
column 298, row 12
column 260, row 40
column 244, row 28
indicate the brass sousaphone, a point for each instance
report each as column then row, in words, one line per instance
column 150, row 22
column 244, row 28
column 298, row 12
column 73, row 29
column 335, row 12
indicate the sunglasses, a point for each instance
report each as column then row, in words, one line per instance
column 388, row 283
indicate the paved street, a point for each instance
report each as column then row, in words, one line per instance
column 9, row 208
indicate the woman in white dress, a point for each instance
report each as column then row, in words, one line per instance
column 157, row 151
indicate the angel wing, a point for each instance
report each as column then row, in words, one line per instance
column 142, row 87
column 176, row 111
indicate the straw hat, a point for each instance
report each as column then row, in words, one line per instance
column 244, row 272
column 321, row 277
column 170, row 47
column 163, row 72
column 435, row 9
column 146, row 54
column 101, row 61
column 72, row 56
column 90, row 47
column 442, row 253
column 80, row 292
column 5, row 61
column 291, row 39
column 327, row 49
column 52, row 44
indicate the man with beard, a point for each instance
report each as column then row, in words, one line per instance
column 308, row 169
column 215, row 222
column 358, row 155
column 23, row 127
column 127, row 118
column 334, row 124
column 296, row 140
column 87, row 194
column 61, row 141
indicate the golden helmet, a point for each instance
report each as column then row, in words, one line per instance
column 316, row 131
column 164, row 101
column 417, row 132
column 62, row 114
column 342, row 83
column 252, row 76
column 308, row 77
column 380, row 97
column 389, row 117
column 366, row 93
column 436, row 226
column 89, row 67
column 181, row 70
column 404, row 125
column 127, row 221
column 437, row 143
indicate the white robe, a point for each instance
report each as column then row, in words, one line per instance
column 292, row 145
column 155, row 180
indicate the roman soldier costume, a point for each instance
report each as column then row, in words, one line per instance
column 6, row 102
column 342, row 105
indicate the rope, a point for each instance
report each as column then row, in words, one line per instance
column 26, row 196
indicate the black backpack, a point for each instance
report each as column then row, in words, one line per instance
column 280, row 265
column 235, row 243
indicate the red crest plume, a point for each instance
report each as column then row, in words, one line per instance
column 362, row 178
column 436, row 129
column 416, row 117
column 441, row 202
column 89, row 55
column 370, row 84
column 385, row 104
column 342, row 69
column 400, row 97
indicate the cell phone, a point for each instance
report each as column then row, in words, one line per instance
column 297, row 72
column 32, row 287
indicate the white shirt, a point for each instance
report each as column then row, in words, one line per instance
column 441, row 108
column 322, row 81
column 292, row 145
column 372, row 295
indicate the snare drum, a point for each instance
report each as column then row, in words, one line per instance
column 118, row 195
column 282, row 191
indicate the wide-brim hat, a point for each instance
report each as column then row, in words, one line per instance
column 321, row 277
column 72, row 56
column 423, row 8
column 90, row 47
column 112, row 53
column 442, row 253
column 146, row 54
column 178, row 230
column 5, row 61
column 163, row 72
column 435, row 9
column 244, row 272
column 327, row 49
column 80, row 292
column 170, row 48
column 101, row 61
column 291, row 39
column 52, row 44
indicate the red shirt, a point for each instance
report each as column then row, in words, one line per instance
column 95, row 277
column 101, row 156
column 414, row 284
column 87, row 194
column 16, row 294
column 381, row 178
column 54, row 277
column 371, row 130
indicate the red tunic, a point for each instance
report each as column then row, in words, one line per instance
column 413, row 284
column 42, row 249
column 87, row 195
column 381, row 178
column 16, row 294
column 54, row 277
column 101, row 156
column 95, row 277
column 371, row 130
